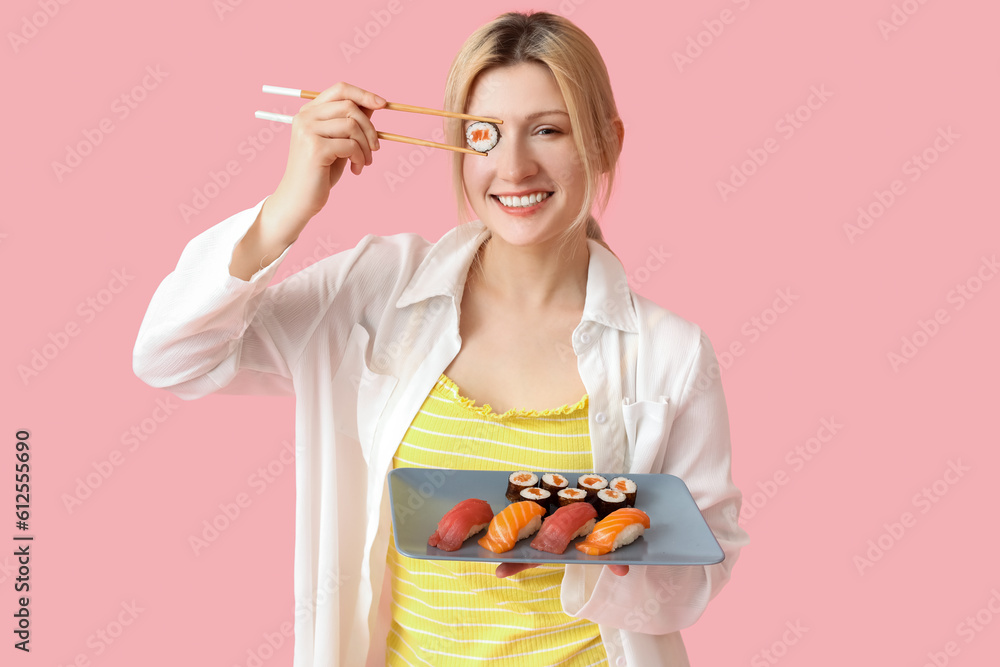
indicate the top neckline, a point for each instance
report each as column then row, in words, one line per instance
column 487, row 411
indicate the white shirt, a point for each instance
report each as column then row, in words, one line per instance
column 360, row 338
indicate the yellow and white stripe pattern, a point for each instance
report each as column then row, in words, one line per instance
column 448, row 613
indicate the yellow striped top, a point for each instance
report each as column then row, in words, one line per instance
column 458, row 612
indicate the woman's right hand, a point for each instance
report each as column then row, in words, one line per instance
column 327, row 132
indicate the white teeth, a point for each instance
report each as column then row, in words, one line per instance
column 526, row 200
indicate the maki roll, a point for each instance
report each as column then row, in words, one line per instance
column 570, row 496
column 482, row 136
column 536, row 495
column 519, row 481
column 591, row 484
column 608, row 500
column 554, row 483
column 514, row 522
column 626, row 486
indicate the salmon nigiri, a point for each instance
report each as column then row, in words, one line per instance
column 460, row 523
column 566, row 523
column 514, row 522
column 621, row 527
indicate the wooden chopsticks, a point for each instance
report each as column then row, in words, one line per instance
column 392, row 106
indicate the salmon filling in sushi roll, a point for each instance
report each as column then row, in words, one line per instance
column 519, row 481
column 608, row 500
column 482, row 136
column 618, row 529
column 626, row 486
column 570, row 496
column 537, row 495
column 554, row 483
column 514, row 522
column 591, row 484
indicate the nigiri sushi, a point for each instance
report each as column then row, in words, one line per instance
column 566, row 523
column 460, row 523
column 619, row 528
column 514, row 522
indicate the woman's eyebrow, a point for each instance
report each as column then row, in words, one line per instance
column 530, row 116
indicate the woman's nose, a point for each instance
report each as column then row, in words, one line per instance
column 515, row 161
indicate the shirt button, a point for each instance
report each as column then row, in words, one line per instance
column 600, row 418
column 584, row 338
column 620, row 661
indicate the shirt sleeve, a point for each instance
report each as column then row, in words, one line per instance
column 666, row 598
column 207, row 331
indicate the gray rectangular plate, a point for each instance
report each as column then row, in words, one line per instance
column 678, row 535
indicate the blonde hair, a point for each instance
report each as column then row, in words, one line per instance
column 579, row 70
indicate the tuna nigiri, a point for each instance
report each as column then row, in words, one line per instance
column 619, row 528
column 460, row 523
column 514, row 522
column 566, row 523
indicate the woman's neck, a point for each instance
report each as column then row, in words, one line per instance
column 535, row 278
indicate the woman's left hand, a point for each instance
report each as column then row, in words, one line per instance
column 507, row 569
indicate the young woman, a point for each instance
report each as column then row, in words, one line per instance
column 513, row 342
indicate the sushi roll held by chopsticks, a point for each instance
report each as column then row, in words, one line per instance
column 482, row 135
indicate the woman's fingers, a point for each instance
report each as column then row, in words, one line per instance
column 327, row 133
column 333, row 138
column 356, row 122
column 345, row 91
column 507, row 569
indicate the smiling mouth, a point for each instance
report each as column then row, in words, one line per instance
column 526, row 201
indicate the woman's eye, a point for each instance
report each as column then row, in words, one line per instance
column 549, row 129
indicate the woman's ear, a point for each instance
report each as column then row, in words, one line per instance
column 619, row 130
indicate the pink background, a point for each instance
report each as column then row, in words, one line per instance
column 900, row 430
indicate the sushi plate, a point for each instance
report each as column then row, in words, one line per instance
column 678, row 534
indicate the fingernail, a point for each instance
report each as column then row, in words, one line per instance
column 380, row 100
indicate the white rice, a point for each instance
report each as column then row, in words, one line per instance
column 573, row 494
column 482, row 145
column 585, row 529
column 531, row 481
column 612, row 496
column 629, row 484
column 548, row 478
column 532, row 527
column 628, row 535
column 601, row 483
column 475, row 529
column 535, row 493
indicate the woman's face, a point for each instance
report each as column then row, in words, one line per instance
column 536, row 155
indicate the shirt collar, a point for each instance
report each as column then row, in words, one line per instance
column 445, row 268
